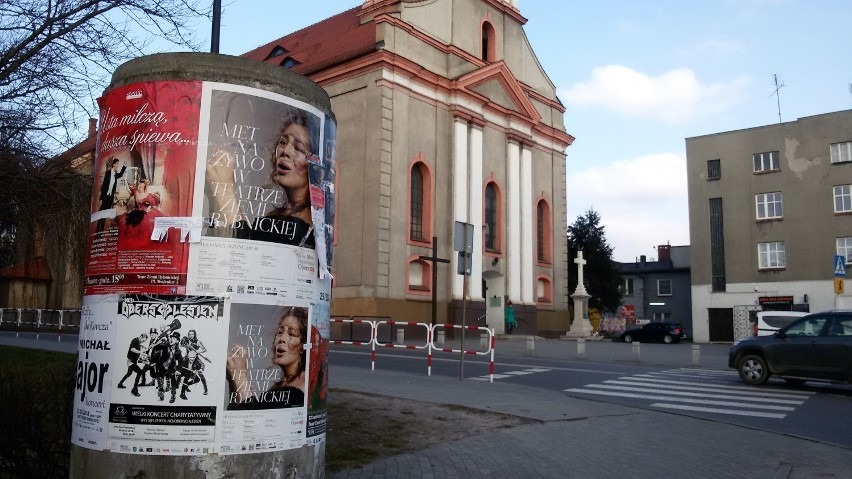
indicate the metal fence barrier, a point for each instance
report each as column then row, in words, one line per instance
column 385, row 328
column 40, row 321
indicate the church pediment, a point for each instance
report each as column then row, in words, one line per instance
column 496, row 84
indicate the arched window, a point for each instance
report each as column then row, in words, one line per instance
column 543, row 290
column 491, row 218
column 489, row 42
column 418, row 276
column 416, row 203
column 419, row 202
column 544, row 229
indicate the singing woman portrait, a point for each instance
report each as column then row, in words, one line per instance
column 289, row 220
column 287, row 352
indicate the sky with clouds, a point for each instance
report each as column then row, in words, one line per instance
column 638, row 77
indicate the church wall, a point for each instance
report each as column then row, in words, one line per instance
column 355, row 255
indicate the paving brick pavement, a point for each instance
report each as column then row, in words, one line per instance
column 580, row 438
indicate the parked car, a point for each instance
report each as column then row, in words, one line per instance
column 770, row 321
column 654, row 332
column 817, row 346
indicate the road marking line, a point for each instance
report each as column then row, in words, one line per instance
column 720, row 411
column 680, row 399
column 652, row 378
column 707, row 388
column 689, row 394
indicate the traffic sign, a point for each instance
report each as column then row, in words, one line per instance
column 839, row 265
column 838, row 285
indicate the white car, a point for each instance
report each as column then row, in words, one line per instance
column 770, row 321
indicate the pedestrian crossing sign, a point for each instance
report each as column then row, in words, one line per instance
column 839, row 265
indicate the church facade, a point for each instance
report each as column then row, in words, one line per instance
column 444, row 115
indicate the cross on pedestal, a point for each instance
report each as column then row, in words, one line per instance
column 580, row 262
column 434, row 259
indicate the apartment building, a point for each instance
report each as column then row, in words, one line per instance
column 769, row 209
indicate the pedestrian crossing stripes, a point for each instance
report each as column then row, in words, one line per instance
column 509, row 374
column 698, row 390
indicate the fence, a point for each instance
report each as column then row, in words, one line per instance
column 40, row 321
column 358, row 336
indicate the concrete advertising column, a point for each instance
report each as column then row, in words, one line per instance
column 205, row 318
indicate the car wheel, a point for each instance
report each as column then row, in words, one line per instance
column 667, row 339
column 628, row 338
column 794, row 381
column 753, row 370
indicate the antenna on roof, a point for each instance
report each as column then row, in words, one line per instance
column 778, row 95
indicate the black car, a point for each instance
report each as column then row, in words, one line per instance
column 817, row 346
column 654, row 332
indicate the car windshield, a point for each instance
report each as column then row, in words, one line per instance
column 806, row 327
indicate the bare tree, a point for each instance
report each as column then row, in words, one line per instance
column 56, row 57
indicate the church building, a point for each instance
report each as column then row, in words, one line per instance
column 444, row 115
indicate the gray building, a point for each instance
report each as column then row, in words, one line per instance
column 769, row 208
column 659, row 290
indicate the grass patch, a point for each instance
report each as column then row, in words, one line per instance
column 36, row 403
column 36, row 390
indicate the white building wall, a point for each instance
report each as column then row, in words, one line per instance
column 460, row 192
column 821, row 297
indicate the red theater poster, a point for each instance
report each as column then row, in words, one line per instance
column 144, row 170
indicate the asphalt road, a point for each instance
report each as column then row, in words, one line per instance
column 662, row 379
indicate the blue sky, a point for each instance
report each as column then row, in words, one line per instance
column 638, row 77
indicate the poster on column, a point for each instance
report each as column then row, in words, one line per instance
column 264, row 405
column 265, row 193
column 318, row 365
column 144, row 176
column 165, row 400
column 94, row 375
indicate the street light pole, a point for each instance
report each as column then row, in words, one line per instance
column 217, row 20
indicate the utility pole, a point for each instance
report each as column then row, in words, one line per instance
column 217, row 20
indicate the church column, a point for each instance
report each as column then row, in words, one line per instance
column 460, row 191
column 528, row 225
column 475, row 211
column 513, row 216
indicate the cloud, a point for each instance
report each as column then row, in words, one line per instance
column 642, row 202
column 674, row 96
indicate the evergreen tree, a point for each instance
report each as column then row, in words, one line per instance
column 601, row 277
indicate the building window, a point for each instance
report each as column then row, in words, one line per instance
column 714, row 169
column 415, row 229
column 664, row 287
column 771, row 255
column 842, row 199
column 717, row 246
column 543, row 290
column 662, row 316
column 492, row 208
column 769, row 205
column 419, row 275
column 419, row 202
column 627, row 287
column 489, row 42
column 767, row 161
column 841, row 152
column 543, row 232
column 844, row 248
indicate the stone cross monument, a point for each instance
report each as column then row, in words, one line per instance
column 580, row 326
